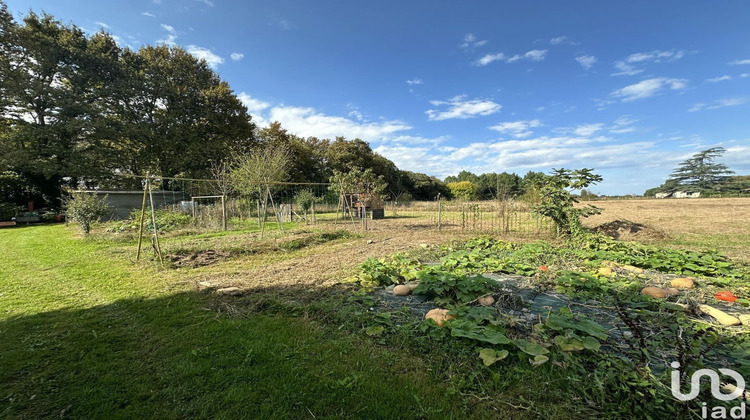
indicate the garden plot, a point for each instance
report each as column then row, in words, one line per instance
column 594, row 302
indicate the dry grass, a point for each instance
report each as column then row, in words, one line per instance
column 709, row 223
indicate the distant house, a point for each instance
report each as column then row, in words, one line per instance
column 679, row 194
column 687, row 194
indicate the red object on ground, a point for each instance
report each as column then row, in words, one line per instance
column 543, row 268
column 725, row 295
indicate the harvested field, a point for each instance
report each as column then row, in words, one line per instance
column 715, row 223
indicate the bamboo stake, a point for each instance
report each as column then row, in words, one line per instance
column 440, row 213
column 153, row 220
column 278, row 216
column 265, row 213
column 224, row 212
column 140, row 229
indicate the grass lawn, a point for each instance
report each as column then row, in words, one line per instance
column 85, row 333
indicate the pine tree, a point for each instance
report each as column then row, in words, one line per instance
column 700, row 172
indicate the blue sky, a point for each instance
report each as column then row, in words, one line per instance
column 630, row 88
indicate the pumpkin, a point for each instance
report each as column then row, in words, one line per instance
column 605, row 271
column 721, row 316
column 725, row 295
column 655, row 292
column 401, row 290
column 486, row 300
column 683, row 283
column 439, row 316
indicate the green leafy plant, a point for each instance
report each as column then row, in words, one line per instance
column 448, row 288
column 558, row 203
column 84, row 209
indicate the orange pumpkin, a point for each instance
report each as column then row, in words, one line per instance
column 725, row 295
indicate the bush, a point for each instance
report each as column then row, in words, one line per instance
column 8, row 210
column 84, row 209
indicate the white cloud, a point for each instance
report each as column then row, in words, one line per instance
column 470, row 42
column 202, row 53
column 102, row 24
column 626, row 69
column 171, row 38
column 148, row 14
column 533, row 55
column 719, row 79
column 208, row 3
column 254, row 106
column 719, row 103
column 561, row 40
column 656, row 56
column 623, row 125
column 414, row 81
column 489, row 58
column 744, row 75
column 307, row 122
column 586, row 130
column 736, row 62
column 518, row 129
column 462, row 108
column 627, row 66
column 587, row 61
column 235, row 56
column 647, row 88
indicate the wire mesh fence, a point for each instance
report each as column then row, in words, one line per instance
column 212, row 207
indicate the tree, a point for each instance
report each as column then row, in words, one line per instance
column 77, row 108
column 307, row 156
column 359, row 181
column 558, row 202
column 700, row 172
column 254, row 171
column 464, row 190
column 424, row 187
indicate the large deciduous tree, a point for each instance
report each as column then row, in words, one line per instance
column 79, row 108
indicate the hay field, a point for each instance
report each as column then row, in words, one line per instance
column 704, row 223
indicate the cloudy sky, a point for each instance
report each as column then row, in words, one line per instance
column 630, row 88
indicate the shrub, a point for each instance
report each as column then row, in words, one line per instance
column 84, row 209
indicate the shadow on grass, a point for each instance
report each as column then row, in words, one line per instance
column 191, row 355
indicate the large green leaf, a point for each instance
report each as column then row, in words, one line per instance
column 490, row 356
column 530, row 348
column 569, row 343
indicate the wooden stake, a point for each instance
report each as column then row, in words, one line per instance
column 440, row 213
column 143, row 216
column 153, row 220
column 224, row 212
column 278, row 216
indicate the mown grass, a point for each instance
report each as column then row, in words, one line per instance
column 87, row 334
